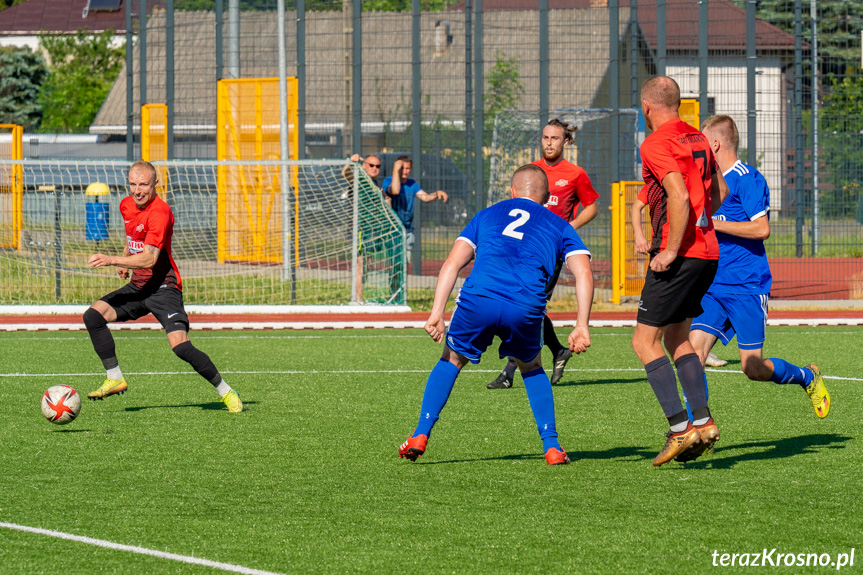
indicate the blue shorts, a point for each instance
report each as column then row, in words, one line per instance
column 726, row 314
column 476, row 320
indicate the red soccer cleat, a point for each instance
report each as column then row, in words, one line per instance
column 555, row 456
column 414, row 447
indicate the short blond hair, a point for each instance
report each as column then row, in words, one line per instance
column 146, row 166
column 724, row 128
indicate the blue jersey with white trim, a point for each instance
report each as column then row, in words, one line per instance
column 743, row 266
column 517, row 244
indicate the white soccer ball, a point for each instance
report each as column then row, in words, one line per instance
column 60, row 404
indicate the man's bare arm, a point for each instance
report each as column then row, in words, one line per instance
column 579, row 266
column 642, row 246
column 677, row 206
column 143, row 260
column 584, row 216
column 460, row 255
column 757, row 229
column 426, row 197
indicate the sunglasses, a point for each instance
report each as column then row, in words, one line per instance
column 374, row 165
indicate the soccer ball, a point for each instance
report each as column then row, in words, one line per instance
column 61, row 404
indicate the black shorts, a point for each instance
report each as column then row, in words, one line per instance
column 166, row 304
column 674, row 295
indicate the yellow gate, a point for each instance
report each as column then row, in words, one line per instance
column 628, row 267
column 154, row 140
column 250, row 199
column 11, row 186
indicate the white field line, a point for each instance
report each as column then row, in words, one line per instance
column 139, row 550
column 232, row 334
column 365, row 324
column 370, row 371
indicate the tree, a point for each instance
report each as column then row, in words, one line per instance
column 21, row 75
column 505, row 87
column 839, row 24
column 82, row 70
column 8, row 3
column 841, row 133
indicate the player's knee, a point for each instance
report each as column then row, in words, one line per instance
column 93, row 319
column 186, row 351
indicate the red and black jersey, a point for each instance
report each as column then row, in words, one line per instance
column 678, row 147
column 568, row 185
column 153, row 226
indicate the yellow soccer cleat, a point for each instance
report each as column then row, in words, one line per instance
column 818, row 393
column 109, row 387
column 232, row 400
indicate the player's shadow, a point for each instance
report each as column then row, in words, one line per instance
column 210, row 406
column 70, row 431
column 514, row 457
column 615, row 453
column 771, row 449
column 613, row 380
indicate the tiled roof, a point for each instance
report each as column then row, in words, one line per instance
column 63, row 17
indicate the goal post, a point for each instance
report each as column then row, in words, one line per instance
column 339, row 228
column 11, row 185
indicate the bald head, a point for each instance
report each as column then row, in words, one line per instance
column 661, row 92
column 530, row 182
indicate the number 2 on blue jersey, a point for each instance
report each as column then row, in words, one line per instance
column 510, row 230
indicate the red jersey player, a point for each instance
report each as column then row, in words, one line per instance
column 683, row 187
column 155, row 287
column 568, row 186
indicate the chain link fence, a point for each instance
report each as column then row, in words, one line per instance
column 434, row 79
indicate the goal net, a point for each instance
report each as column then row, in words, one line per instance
column 332, row 246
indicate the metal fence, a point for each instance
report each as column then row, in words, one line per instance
column 433, row 80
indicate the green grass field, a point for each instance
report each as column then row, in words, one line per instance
column 307, row 479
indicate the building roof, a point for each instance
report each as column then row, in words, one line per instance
column 386, row 65
column 728, row 31
column 63, row 17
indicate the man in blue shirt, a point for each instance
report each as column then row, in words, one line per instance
column 516, row 244
column 401, row 190
column 736, row 303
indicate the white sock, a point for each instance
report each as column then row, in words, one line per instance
column 701, row 421
column 223, row 388
column 115, row 373
column 677, row 428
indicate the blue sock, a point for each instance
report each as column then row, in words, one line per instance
column 438, row 387
column 538, row 388
column 784, row 372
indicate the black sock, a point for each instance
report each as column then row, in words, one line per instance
column 660, row 374
column 678, row 419
column 100, row 335
column 691, row 375
column 200, row 361
column 550, row 337
column 509, row 370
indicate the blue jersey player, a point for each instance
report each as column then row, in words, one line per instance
column 516, row 244
column 736, row 303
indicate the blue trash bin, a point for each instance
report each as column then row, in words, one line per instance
column 97, row 221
